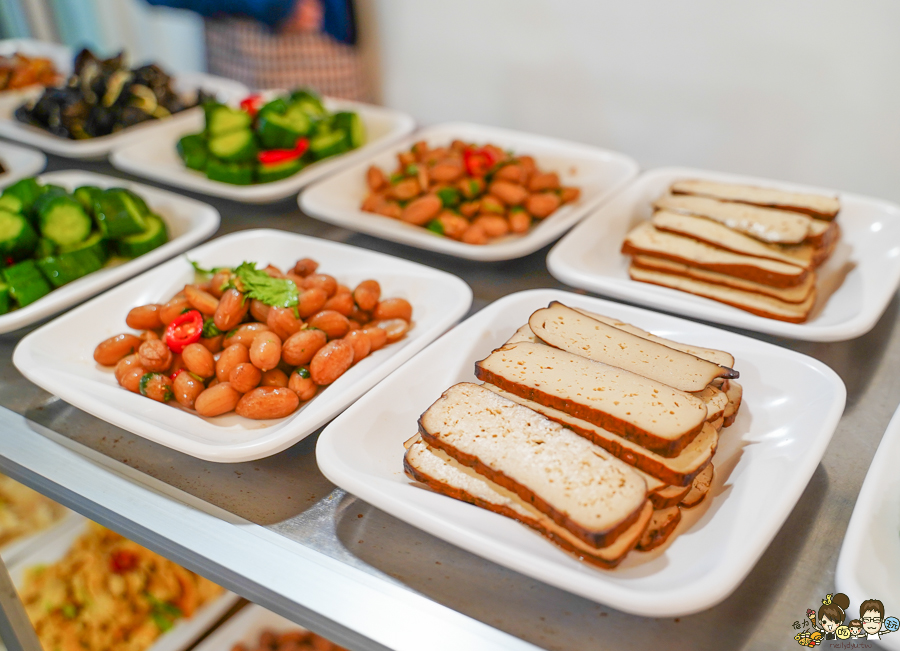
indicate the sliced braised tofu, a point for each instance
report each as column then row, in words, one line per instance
column 445, row 475
column 668, row 496
column 700, row 487
column 522, row 334
column 679, row 470
column 562, row 327
column 645, row 239
column 764, row 224
column 815, row 205
column 754, row 303
column 651, row 414
column 660, row 528
column 719, row 235
column 735, row 393
column 796, row 294
column 578, row 485
column 719, row 357
column 716, row 402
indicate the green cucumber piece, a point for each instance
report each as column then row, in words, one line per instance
column 26, row 191
column 329, row 144
column 135, row 245
column 86, row 195
column 63, row 221
column 278, row 171
column 221, row 119
column 74, row 262
column 135, row 202
column 118, row 215
column 234, row 173
column 4, row 298
column 48, row 194
column 18, row 238
column 26, row 284
column 235, row 147
column 309, row 103
column 353, row 125
column 277, row 105
column 281, row 131
column 44, row 248
column 11, row 203
column 193, row 151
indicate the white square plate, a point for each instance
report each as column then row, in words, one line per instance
column 598, row 172
column 19, row 162
column 179, row 637
column 854, row 286
column 869, row 563
column 189, row 222
column 187, row 83
column 791, row 405
column 245, row 628
column 154, row 156
column 59, row 356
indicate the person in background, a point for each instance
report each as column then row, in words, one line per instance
column 282, row 43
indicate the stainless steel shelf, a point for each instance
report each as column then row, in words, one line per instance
column 278, row 533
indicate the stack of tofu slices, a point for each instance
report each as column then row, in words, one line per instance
column 591, row 431
column 754, row 248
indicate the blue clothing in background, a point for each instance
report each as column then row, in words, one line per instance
column 338, row 20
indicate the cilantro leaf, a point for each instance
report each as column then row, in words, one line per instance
column 201, row 270
column 209, row 328
column 276, row 292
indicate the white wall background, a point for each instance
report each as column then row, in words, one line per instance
column 800, row 90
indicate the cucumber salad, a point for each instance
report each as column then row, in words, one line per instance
column 50, row 236
column 269, row 141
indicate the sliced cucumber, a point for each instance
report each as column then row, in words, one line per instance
column 193, row 151
column 234, row 173
column 18, row 238
column 74, row 262
column 44, row 248
column 235, row 147
column 155, row 235
column 26, row 284
column 26, row 191
column 221, row 119
column 4, row 298
column 278, row 171
column 63, row 221
column 117, row 215
column 277, row 105
column 86, row 196
column 281, row 131
column 329, row 144
column 135, row 202
column 11, row 203
column 353, row 125
column 48, row 194
column 309, row 103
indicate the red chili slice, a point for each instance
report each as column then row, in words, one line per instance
column 251, row 104
column 186, row 329
column 477, row 162
column 123, row 560
column 273, row 156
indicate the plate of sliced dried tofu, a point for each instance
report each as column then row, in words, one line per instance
column 633, row 458
column 773, row 257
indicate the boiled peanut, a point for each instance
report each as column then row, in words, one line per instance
column 231, row 310
column 422, row 210
column 361, row 343
column 543, row 204
column 569, row 194
column 131, row 380
column 198, row 360
column 492, row 205
column 375, row 178
column 147, row 335
column 155, row 355
column 229, row 358
column 126, row 364
column 471, row 188
column 305, row 267
column 157, row 387
column 186, row 389
column 377, row 338
column 509, row 193
column 474, row 235
column 393, row 328
column 514, row 173
column 217, row 400
column 259, row 310
column 267, row 402
column 311, row 301
column 331, row 361
column 304, row 387
column 218, row 282
column 519, row 221
column 300, row 347
column 470, row 208
column 274, row 377
column 341, row 302
column 542, row 182
column 145, row 317
column 453, row 225
column 200, row 300
column 334, row 324
column 173, row 309
column 273, row 272
column 323, row 281
column 176, row 364
column 265, row 351
column 447, row 170
column 244, row 377
column 212, row 344
column 492, row 225
column 245, row 334
column 109, row 351
column 282, row 322
column 367, row 294
column 393, row 308
column 390, row 209
column 405, row 189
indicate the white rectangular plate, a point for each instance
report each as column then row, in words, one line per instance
column 93, row 148
column 59, row 356
column 19, row 162
column 869, row 563
column 179, row 637
column 791, row 405
column 598, row 172
column 854, row 286
column 245, row 628
column 154, row 156
column 189, row 222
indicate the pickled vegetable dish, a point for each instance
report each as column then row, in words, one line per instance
column 19, row 71
column 259, row 342
column 269, row 141
column 104, row 96
column 467, row 192
column 50, row 237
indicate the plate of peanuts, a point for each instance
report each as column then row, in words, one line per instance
column 472, row 191
column 245, row 345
